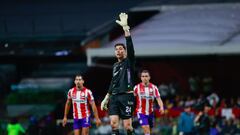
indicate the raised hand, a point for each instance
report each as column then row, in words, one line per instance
column 123, row 21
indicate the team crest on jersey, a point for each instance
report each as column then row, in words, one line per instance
column 151, row 90
column 82, row 96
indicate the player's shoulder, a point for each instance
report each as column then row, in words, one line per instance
column 87, row 89
column 154, row 86
column 71, row 89
column 137, row 85
column 115, row 64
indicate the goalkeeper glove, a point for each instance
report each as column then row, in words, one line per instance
column 123, row 21
column 105, row 102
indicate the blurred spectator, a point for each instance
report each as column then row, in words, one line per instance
column 214, row 130
column 174, row 87
column 173, row 110
column 2, row 127
column 33, row 127
column 238, row 102
column 174, row 127
column 186, row 122
column 178, row 101
column 190, row 101
column 49, row 127
column 194, row 82
column 199, row 105
column 105, row 128
column 213, row 99
column 227, row 112
column 164, row 90
column 229, row 128
column 202, row 121
column 166, row 127
column 15, row 128
column 207, row 84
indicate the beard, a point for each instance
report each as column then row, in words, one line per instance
column 79, row 85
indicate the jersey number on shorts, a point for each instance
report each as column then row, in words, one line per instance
column 128, row 109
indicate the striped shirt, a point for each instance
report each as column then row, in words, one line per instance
column 80, row 100
column 145, row 97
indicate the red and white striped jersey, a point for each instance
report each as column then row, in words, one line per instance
column 145, row 97
column 80, row 100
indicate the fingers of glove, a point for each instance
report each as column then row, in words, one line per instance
column 123, row 16
column 118, row 22
column 105, row 107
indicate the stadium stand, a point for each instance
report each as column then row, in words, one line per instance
column 185, row 30
column 47, row 77
column 56, row 19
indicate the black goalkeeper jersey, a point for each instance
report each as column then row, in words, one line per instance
column 123, row 72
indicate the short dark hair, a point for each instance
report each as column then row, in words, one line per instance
column 78, row 75
column 120, row 44
column 144, row 71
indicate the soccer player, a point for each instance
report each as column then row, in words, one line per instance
column 146, row 93
column 81, row 97
column 120, row 91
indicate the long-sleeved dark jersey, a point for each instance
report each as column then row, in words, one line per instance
column 123, row 72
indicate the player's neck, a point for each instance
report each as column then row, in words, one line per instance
column 146, row 84
column 79, row 87
column 121, row 59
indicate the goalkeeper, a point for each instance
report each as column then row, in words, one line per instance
column 120, row 94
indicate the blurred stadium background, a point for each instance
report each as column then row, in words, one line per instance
column 192, row 49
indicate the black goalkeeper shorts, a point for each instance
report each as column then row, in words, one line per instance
column 122, row 105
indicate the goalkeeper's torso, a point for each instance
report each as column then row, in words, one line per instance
column 123, row 72
column 122, row 81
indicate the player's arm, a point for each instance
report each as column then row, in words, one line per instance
column 66, row 110
column 160, row 103
column 159, row 100
column 130, row 49
column 105, row 101
column 127, row 32
column 95, row 113
column 124, row 23
column 196, row 119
